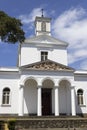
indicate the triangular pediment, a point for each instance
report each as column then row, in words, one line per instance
column 45, row 39
column 47, row 65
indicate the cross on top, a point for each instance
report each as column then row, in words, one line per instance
column 42, row 12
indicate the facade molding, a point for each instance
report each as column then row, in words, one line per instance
column 26, row 78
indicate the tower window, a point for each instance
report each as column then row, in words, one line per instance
column 44, row 56
column 43, row 26
column 80, row 96
column 6, row 96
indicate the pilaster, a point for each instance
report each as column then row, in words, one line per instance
column 56, row 101
column 21, row 101
column 39, row 101
column 73, row 107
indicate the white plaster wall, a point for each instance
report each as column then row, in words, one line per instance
column 39, row 76
column 59, row 55
column 12, row 82
column 48, row 27
column 31, row 54
column 38, row 27
column 81, row 83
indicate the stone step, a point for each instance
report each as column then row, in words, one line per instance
column 52, row 124
column 48, row 123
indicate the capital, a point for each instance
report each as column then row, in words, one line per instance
column 39, row 86
column 55, row 87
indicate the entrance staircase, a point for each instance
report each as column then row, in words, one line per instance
column 48, row 123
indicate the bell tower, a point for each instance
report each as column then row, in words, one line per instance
column 42, row 25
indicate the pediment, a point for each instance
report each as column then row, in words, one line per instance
column 45, row 39
column 47, row 65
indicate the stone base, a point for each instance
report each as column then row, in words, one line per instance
column 56, row 129
column 48, row 123
column 52, row 123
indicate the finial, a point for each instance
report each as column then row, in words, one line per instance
column 42, row 12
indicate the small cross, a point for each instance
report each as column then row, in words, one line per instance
column 42, row 12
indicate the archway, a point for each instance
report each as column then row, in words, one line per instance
column 47, row 97
column 64, row 97
column 30, row 97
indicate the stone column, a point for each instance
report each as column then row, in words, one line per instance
column 39, row 101
column 21, row 101
column 73, row 107
column 56, row 101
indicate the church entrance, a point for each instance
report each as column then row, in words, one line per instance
column 46, row 101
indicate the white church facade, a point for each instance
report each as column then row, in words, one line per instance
column 43, row 83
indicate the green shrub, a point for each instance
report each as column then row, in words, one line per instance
column 11, row 124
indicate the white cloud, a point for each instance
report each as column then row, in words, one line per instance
column 29, row 18
column 71, row 26
column 83, row 65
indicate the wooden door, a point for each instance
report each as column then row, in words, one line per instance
column 46, row 101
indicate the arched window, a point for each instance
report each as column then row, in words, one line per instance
column 6, row 96
column 80, row 96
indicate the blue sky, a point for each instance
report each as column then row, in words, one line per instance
column 69, row 23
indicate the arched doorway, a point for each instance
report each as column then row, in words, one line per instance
column 47, row 97
column 64, row 97
column 30, row 97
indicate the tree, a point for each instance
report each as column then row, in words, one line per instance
column 10, row 29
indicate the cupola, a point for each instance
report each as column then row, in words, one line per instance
column 42, row 25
